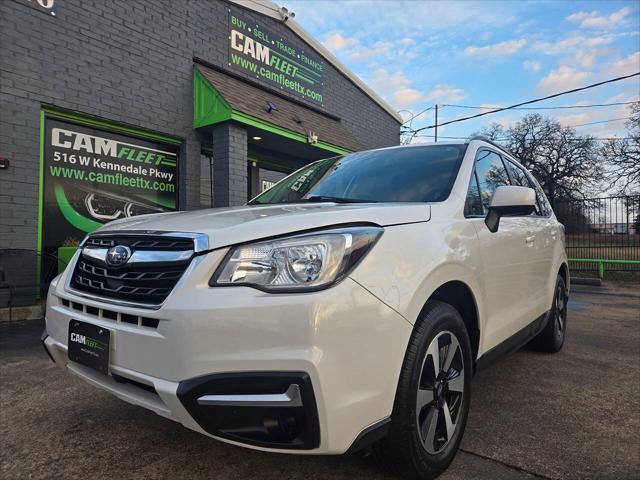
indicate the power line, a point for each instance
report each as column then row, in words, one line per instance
column 542, row 108
column 566, row 92
column 601, row 121
column 568, row 126
column 603, row 139
column 417, row 114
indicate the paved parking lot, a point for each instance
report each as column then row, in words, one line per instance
column 571, row 415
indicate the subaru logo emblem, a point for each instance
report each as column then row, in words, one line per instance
column 118, row 255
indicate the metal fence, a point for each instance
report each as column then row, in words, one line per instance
column 602, row 233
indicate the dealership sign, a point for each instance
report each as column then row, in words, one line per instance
column 269, row 58
column 93, row 176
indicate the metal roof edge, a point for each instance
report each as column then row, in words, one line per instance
column 271, row 9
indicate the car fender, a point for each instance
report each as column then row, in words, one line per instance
column 410, row 262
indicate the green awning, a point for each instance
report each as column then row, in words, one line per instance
column 219, row 98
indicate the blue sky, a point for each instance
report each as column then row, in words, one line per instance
column 417, row 53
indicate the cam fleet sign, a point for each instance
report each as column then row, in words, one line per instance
column 269, row 58
column 93, row 176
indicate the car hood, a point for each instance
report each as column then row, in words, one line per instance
column 228, row 226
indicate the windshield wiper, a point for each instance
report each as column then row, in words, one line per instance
column 326, row 198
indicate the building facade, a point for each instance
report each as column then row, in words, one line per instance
column 119, row 108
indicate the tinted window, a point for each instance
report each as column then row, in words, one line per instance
column 520, row 178
column 411, row 174
column 491, row 175
column 543, row 204
column 474, row 204
column 518, row 175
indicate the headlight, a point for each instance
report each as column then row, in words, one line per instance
column 302, row 262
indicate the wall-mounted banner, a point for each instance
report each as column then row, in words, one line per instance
column 93, row 176
column 269, row 58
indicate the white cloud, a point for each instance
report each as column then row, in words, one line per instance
column 531, row 65
column 569, row 44
column 577, row 119
column 500, row 49
column 407, row 42
column 335, row 41
column 585, row 59
column 625, row 66
column 595, row 20
column 397, row 89
column 378, row 49
column 563, row 78
column 606, row 129
column 443, row 93
column 506, row 122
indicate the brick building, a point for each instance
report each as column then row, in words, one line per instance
column 118, row 108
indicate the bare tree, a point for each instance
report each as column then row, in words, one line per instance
column 622, row 156
column 565, row 163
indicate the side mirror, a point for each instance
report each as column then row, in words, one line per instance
column 512, row 201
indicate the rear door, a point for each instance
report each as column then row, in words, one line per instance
column 506, row 255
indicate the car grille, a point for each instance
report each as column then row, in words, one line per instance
column 146, row 282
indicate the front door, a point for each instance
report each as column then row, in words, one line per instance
column 507, row 256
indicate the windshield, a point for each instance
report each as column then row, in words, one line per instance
column 413, row 174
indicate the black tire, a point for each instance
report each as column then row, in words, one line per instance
column 404, row 449
column 551, row 338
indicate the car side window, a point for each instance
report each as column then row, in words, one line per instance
column 491, row 174
column 519, row 177
column 473, row 205
column 544, row 206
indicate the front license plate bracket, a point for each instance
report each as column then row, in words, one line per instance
column 89, row 345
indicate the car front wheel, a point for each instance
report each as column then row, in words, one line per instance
column 432, row 401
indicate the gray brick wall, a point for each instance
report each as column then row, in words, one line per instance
column 130, row 62
column 230, row 165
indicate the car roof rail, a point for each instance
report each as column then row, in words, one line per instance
column 491, row 142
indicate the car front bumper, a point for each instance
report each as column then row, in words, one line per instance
column 342, row 346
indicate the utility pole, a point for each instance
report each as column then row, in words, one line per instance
column 436, row 124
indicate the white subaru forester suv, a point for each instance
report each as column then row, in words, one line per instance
column 348, row 306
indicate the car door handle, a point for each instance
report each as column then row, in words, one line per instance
column 529, row 240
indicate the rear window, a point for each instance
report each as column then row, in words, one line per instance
column 411, row 174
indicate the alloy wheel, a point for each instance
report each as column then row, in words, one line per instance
column 560, row 309
column 440, row 392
